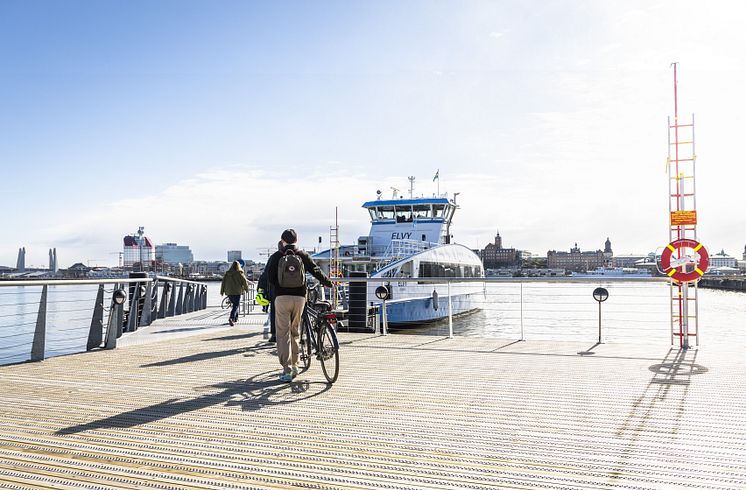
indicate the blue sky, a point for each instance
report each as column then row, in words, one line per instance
column 218, row 124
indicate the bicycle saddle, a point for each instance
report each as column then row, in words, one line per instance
column 322, row 306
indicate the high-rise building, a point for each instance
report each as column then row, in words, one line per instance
column 53, row 260
column 21, row 262
column 139, row 252
column 172, row 254
column 234, row 255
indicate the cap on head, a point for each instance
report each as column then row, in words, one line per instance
column 289, row 236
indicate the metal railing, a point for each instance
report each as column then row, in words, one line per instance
column 539, row 308
column 40, row 319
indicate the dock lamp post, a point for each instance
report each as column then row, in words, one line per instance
column 115, row 318
column 383, row 293
column 600, row 295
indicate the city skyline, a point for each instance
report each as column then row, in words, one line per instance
column 221, row 125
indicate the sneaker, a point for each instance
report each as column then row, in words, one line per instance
column 286, row 377
column 231, row 322
column 294, row 371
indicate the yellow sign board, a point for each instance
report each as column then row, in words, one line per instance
column 681, row 218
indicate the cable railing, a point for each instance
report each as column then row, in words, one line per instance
column 637, row 309
column 41, row 319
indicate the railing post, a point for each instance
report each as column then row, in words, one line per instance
column 95, row 334
column 522, row 338
column 180, row 300
column 40, row 334
column 164, row 301
column 204, row 297
column 134, row 303
column 147, row 307
column 450, row 312
column 384, row 320
column 171, row 310
column 188, row 303
column 115, row 323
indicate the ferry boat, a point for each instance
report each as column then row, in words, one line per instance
column 410, row 238
column 613, row 272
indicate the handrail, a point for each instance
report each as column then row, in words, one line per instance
column 73, row 282
column 174, row 279
column 502, row 279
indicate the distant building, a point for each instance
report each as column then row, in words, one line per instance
column 139, row 252
column 77, row 270
column 206, row 269
column 575, row 260
column 494, row 256
column 21, row 262
column 628, row 260
column 608, row 253
column 172, row 254
column 744, row 253
column 722, row 259
column 234, row 255
column 53, row 268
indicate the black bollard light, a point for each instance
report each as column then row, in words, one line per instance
column 383, row 293
column 600, row 295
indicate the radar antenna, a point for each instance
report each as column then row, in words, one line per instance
column 395, row 193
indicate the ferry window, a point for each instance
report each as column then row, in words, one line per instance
column 373, row 214
column 386, row 212
column 403, row 214
column 438, row 210
column 406, row 270
column 426, row 269
column 421, row 211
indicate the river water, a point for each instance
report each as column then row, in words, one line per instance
column 635, row 312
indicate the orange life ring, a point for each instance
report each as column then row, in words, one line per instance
column 678, row 273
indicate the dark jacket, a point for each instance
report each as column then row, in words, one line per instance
column 311, row 267
column 234, row 282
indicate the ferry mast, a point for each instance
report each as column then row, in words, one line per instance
column 682, row 207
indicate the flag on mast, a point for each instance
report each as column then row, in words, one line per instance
column 437, row 175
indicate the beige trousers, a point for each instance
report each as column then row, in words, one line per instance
column 288, row 315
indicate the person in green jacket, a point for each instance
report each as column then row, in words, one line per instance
column 234, row 284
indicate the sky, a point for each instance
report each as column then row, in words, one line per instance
column 219, row 124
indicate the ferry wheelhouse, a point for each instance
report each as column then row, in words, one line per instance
column 410, row 239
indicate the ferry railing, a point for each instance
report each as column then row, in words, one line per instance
column 546, row 308
column 40, row 319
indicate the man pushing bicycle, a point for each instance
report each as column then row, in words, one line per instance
column 286, row 271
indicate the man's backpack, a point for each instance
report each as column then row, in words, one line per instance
column 290, row 271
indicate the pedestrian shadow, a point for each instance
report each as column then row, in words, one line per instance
column 202, row 356
column 234, row 337
column 250, row 394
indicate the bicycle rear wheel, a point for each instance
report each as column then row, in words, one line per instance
column 226, row 303
column 304, row 346
column 329, row 352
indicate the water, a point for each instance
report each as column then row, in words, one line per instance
column 634, row 312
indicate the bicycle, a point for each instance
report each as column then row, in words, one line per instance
column 226, row 303
column 317, row 336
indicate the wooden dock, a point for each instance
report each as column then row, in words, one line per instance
column 207, row 411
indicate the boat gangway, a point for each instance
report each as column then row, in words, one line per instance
column 190, row 403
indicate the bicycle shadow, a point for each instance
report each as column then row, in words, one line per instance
column 259, row 391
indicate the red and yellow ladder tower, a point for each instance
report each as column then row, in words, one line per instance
column 335, row 262
column 682, row 205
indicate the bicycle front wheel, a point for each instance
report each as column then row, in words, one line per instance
column 329, row 352
column 226, row 303
column 304, row 346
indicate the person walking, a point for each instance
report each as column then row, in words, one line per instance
column 266, row 298
column 233, row 285
column 286, row 270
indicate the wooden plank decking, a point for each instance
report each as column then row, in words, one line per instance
column 206, row 411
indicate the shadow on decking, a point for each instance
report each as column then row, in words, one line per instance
column 250, row 394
